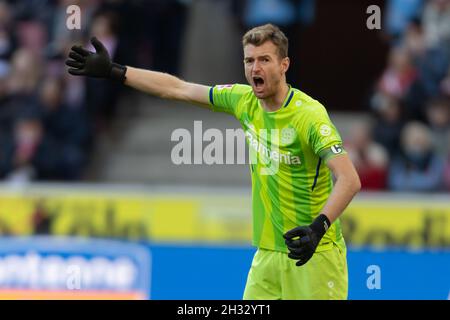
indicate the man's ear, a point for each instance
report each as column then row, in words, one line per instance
column 285, row 62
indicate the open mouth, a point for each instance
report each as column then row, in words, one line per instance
column 258, row 81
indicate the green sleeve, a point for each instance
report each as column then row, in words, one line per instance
column 225, row 98
column 323, row 137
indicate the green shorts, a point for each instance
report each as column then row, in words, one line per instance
column 274, row 276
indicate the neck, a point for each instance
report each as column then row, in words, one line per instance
column 273, row 103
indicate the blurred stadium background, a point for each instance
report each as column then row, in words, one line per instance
column 92, row 207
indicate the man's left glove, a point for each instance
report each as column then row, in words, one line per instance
column 303, row 241
column 96, row 64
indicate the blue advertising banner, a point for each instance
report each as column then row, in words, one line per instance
column 206, row 272
column 73, row 268
column 399, row 274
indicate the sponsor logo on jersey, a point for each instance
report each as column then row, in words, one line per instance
column 261, row 148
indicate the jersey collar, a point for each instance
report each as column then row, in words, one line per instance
column 289, row 96
column 285, row 103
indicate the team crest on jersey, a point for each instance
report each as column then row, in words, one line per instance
column 287, row 135
column 325, row 130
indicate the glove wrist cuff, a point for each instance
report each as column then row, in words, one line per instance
column 118, row 72
column 320, row 225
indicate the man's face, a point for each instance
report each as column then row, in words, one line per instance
column 264, row 69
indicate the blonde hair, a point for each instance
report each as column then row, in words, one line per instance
column 268, row 32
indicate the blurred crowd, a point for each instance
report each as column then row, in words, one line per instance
column 407, row 145
column 48, row 119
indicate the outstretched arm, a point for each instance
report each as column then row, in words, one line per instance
column 99, row 65
column 167, row 86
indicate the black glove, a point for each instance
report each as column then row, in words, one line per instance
column 97, row 65
column 302, row 241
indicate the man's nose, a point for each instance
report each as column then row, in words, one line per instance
column 256, row 66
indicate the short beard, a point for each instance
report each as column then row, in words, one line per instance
column 267, row 95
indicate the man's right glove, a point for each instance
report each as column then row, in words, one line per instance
column 97, row 65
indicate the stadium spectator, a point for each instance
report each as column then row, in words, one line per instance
column 33, row 154
column 438, row 116
column 399, row 14
column 447, row 166
column 413, row 40
column 19, row 88
column 418, row 167
column 25, row 73
column 7, row 38
column 388, row 123
column 436, row 21
column 25, row 151
column 445, row 84
column 431, row 65
column 102, row 96
column 370, row 158
column 68, row 128
column 398, row 75
column 32, row 35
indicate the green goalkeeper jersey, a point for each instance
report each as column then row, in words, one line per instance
column 289, row 149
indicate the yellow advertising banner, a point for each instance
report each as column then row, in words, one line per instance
column 414, row 223
column 157, row 218
column 378, row 220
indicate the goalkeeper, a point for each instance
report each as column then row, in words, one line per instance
column 296, row 149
